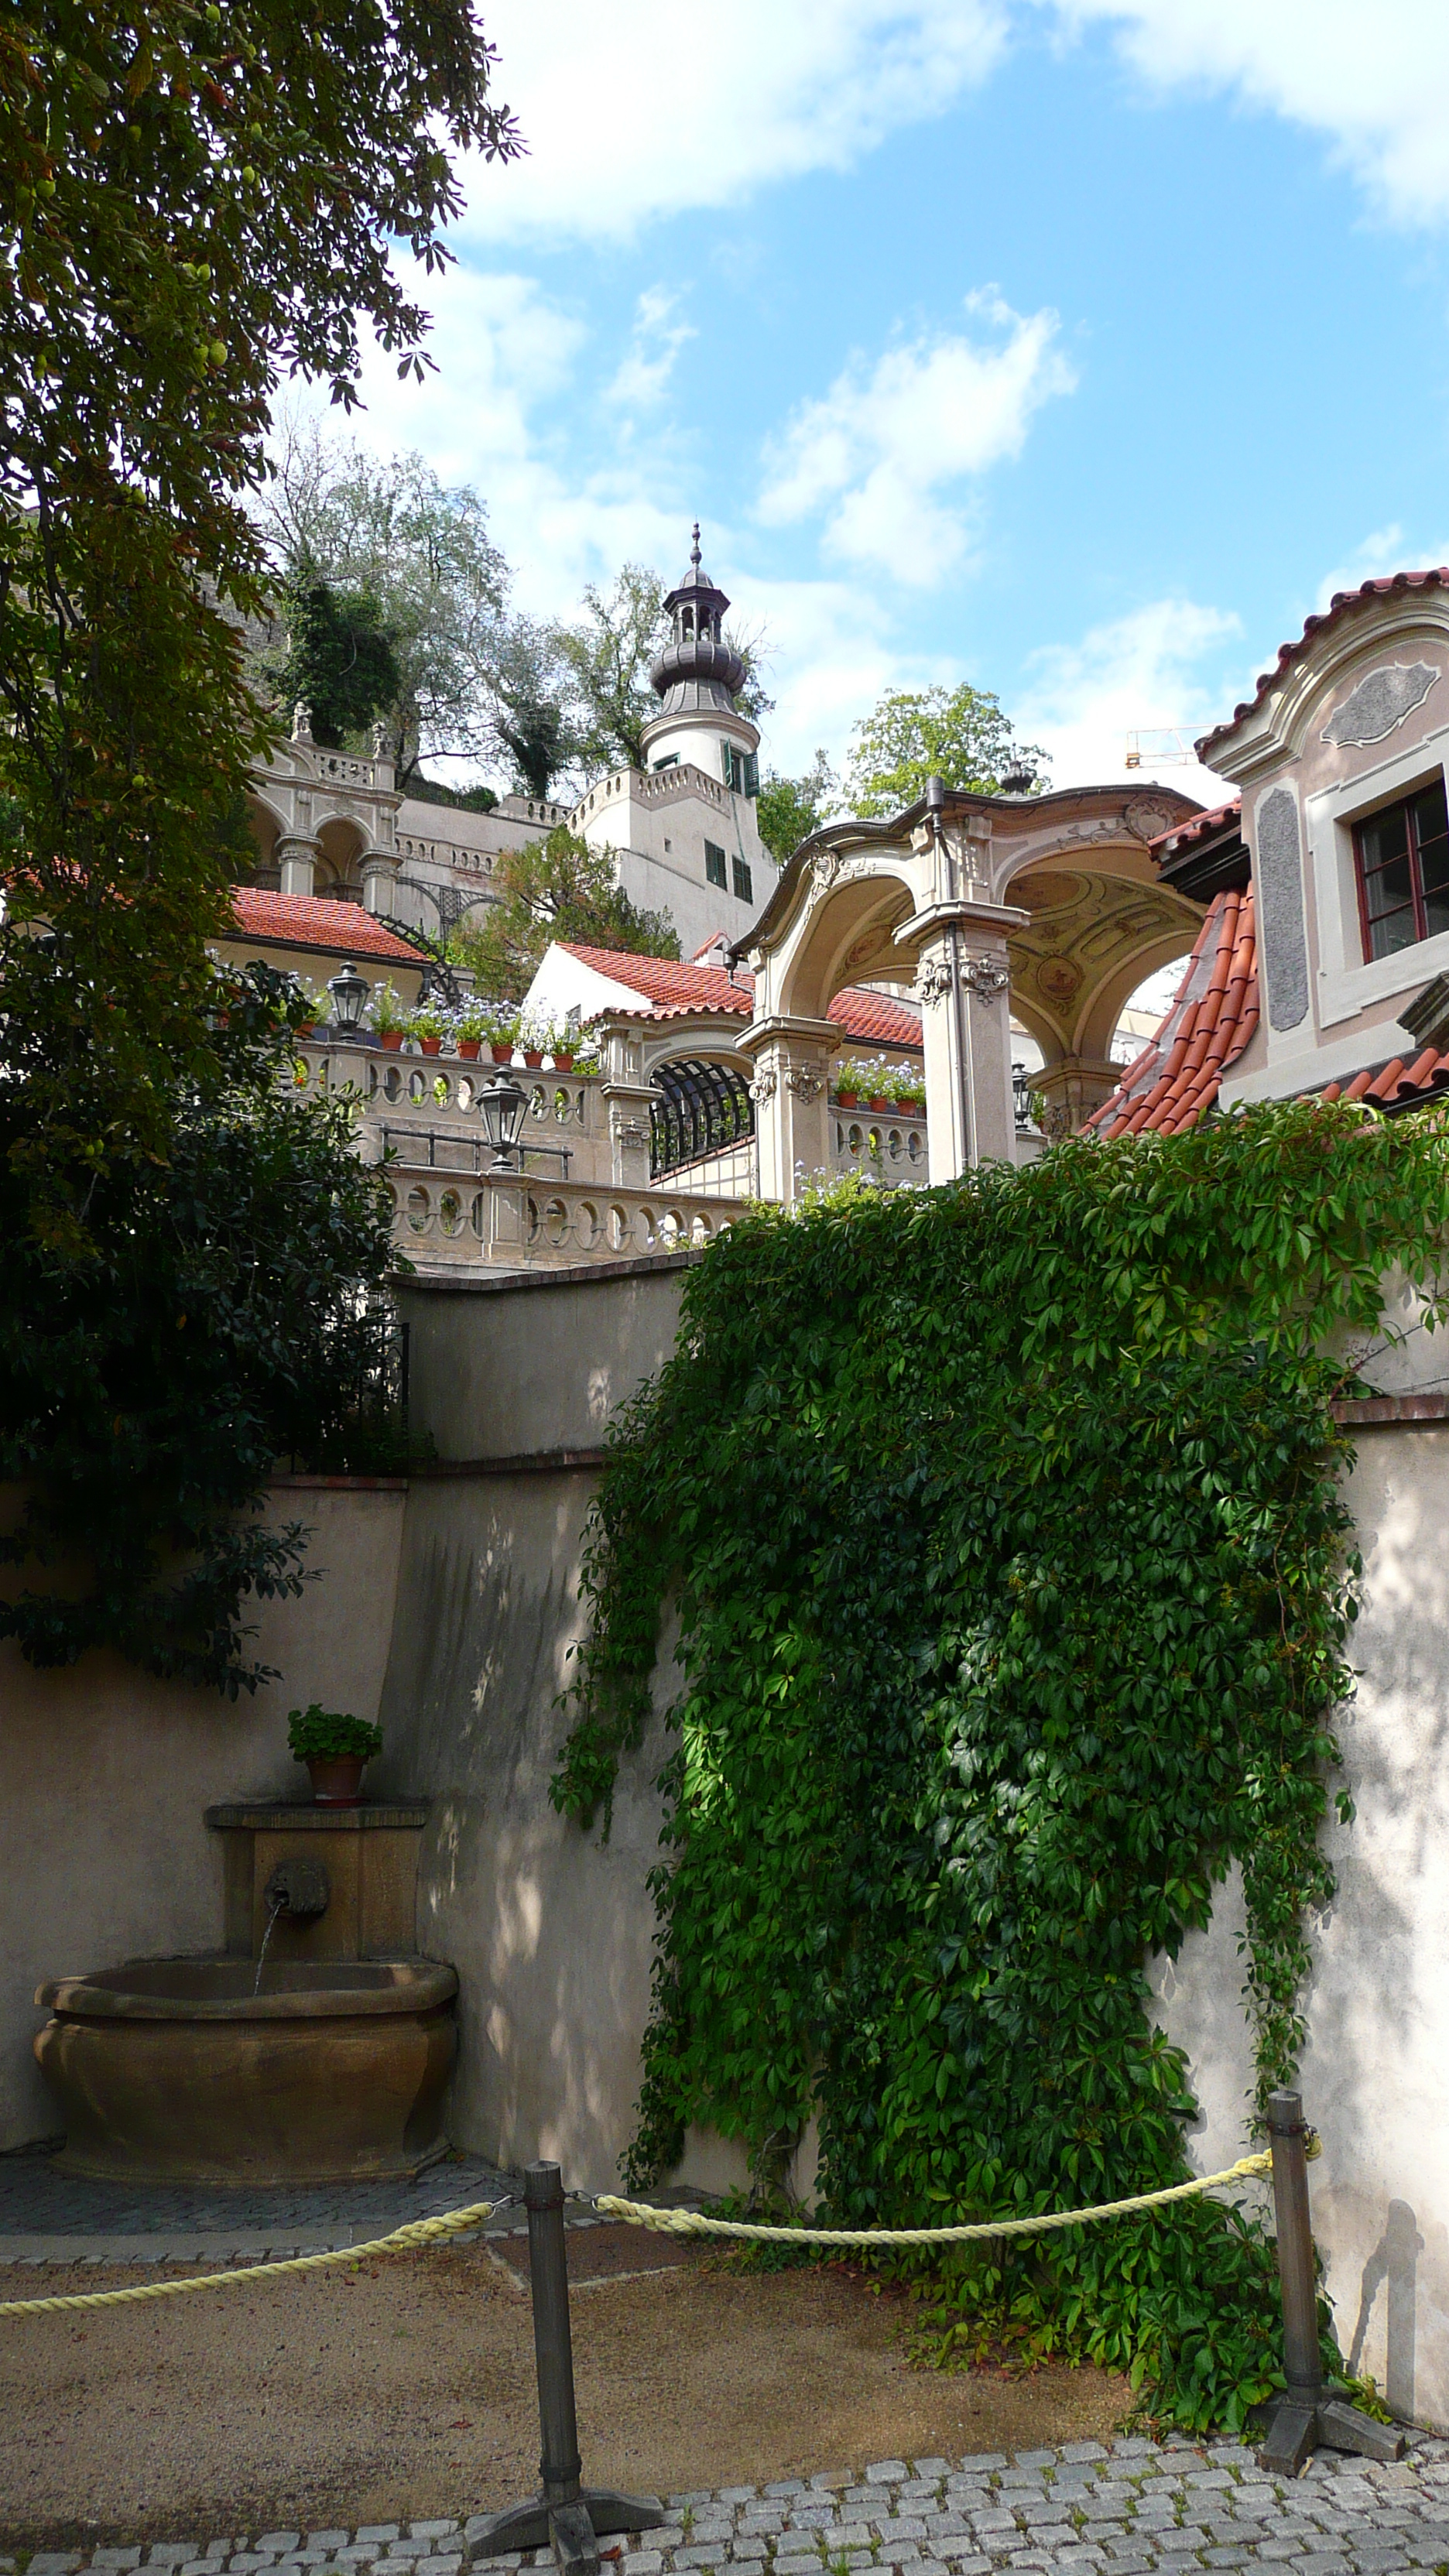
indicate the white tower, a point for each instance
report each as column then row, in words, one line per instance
column 696, row 677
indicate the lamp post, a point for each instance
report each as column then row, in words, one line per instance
column 349, row 991
column 503, row 1106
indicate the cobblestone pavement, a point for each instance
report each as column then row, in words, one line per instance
column 1125, row 2509
column 50, row 2217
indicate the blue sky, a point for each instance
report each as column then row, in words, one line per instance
column 1072, row 348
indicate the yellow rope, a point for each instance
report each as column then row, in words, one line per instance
column 693, row 2222
column 403, row 2240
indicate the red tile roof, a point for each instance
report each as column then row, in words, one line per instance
column 1341, row 602
column 1195, row 828
column 1176, row 1078
column 675, row 991
column 1214, row 1014
column 311, row 921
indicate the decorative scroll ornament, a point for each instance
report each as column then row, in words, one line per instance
column 765, row 1085
column 825, row 869
column 933, row 981
column 1056, row 1122
column 629, row 1131
column 987, row 976
column 804, row 1082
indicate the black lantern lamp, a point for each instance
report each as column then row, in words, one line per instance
column 503, row 1106
column 349, row 991
column 1021, row 1094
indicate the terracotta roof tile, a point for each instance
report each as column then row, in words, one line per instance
column 676, row 991
column 1341, row 602
column 312, row 921
column 1176, row 1077
column 1196, row 827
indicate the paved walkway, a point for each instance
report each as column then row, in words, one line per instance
column 1089, row 2509
column 50, row 2217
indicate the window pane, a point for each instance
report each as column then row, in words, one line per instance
column 1384, row 838
column 1431, row 831
column 1396, row 930
column 1392, row 886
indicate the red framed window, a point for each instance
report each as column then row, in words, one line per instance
column 1401, row 856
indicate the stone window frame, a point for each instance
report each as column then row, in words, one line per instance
column 1418, row 899
column 1347, row 981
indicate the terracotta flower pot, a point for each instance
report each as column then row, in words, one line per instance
column 847, row 1099
column 336, row 1779
column 305, row 1029
column 533, row 1056
column 501, row 1054
column 468, row 1050
column 880, row 1103
column 563, row 1064
column 431, row 1046
column 391, row 1039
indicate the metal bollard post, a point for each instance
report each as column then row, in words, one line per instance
column 1311, row 2410
column 566, row 2515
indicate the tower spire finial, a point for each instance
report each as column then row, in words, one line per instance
column 694, row 551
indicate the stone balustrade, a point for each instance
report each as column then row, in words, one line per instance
column 447, row 1219
column 449, row 854
column 651, row 787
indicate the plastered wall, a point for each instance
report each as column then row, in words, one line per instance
column 105, row 1773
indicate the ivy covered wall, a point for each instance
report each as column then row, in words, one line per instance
column 1015, row 1587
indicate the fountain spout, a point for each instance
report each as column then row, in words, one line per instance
column 301, row 1888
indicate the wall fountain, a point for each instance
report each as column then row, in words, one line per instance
column 316, row 2047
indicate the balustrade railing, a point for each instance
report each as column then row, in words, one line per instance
column 526, row 1221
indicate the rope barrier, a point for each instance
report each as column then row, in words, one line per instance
column 403, row 2240
column 693, row 2222
column 666, row 2222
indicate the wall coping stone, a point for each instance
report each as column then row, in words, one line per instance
column 582, row 1274
column 1374, row 1412
column 289, row 1816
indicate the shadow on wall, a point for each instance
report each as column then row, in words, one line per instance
column 551, row 1930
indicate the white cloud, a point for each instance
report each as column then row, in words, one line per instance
column 876, row 452
column 646, row 367
column 646, row 108
column 1373, row 80
column 1138, row 674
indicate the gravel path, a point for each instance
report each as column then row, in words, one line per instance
column 1121, row 2508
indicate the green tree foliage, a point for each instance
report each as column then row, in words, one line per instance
column 193, row 204
column 555, row 889
column 389, row 530
column 219, row 1323
column 1014, row 1584
column 339, row 661
column 790, row 809
column 959, row 735
column 606, row 655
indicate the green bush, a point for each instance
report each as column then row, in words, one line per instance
column 1014, row 1585
column 318, row 1734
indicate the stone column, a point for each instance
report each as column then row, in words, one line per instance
column 791, row 1093
column 962, row 983
column 1073, row 1087
column 378, row 871
column 627, row 1100
column 297, row 858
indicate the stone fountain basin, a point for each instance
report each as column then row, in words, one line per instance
column 172, row 2070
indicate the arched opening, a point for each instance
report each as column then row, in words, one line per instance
column 702, row 1109
column 340, row 846
column 264, row 827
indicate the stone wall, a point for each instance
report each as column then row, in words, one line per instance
column 105, row 1773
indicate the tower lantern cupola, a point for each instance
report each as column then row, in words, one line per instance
column 697, row 669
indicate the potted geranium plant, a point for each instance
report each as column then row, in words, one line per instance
column 336, row 1749
column 882, row 1088
column 387, row 1016
column 847, row 1082
column 561, row 1047
column 502, row 1035
column 533, row 1037
column 470, row 1029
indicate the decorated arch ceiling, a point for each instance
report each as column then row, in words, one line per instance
column 1091, row 937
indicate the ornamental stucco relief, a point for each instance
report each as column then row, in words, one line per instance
column 1380, row 703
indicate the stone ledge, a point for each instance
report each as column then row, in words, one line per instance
column 1370, row 1412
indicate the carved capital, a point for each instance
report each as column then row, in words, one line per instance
column 988, row 976
column 804, row 1082
column 933, row 981
column 765, row 1085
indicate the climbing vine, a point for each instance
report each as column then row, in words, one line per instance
column 1014, row 1587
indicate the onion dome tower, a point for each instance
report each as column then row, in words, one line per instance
column 696, row 678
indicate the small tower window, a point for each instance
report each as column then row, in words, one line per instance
column 744, row 882
column 714, row 864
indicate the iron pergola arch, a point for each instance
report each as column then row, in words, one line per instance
column 702, row 1108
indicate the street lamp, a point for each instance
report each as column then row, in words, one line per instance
column 349, row 991
column 1021, row 1094
column 503, row 1106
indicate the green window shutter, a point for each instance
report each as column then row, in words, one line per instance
column 714, row 864
column 744, row 882
column 752, row 774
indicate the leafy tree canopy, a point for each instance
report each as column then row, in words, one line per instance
column 339, row 661
column 790, row 809
column 959, row 735
column 556, row 889
column 193, row 206
column 390, row 530
column 219, row 1323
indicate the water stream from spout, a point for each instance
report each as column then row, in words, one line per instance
column 279, row 1906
